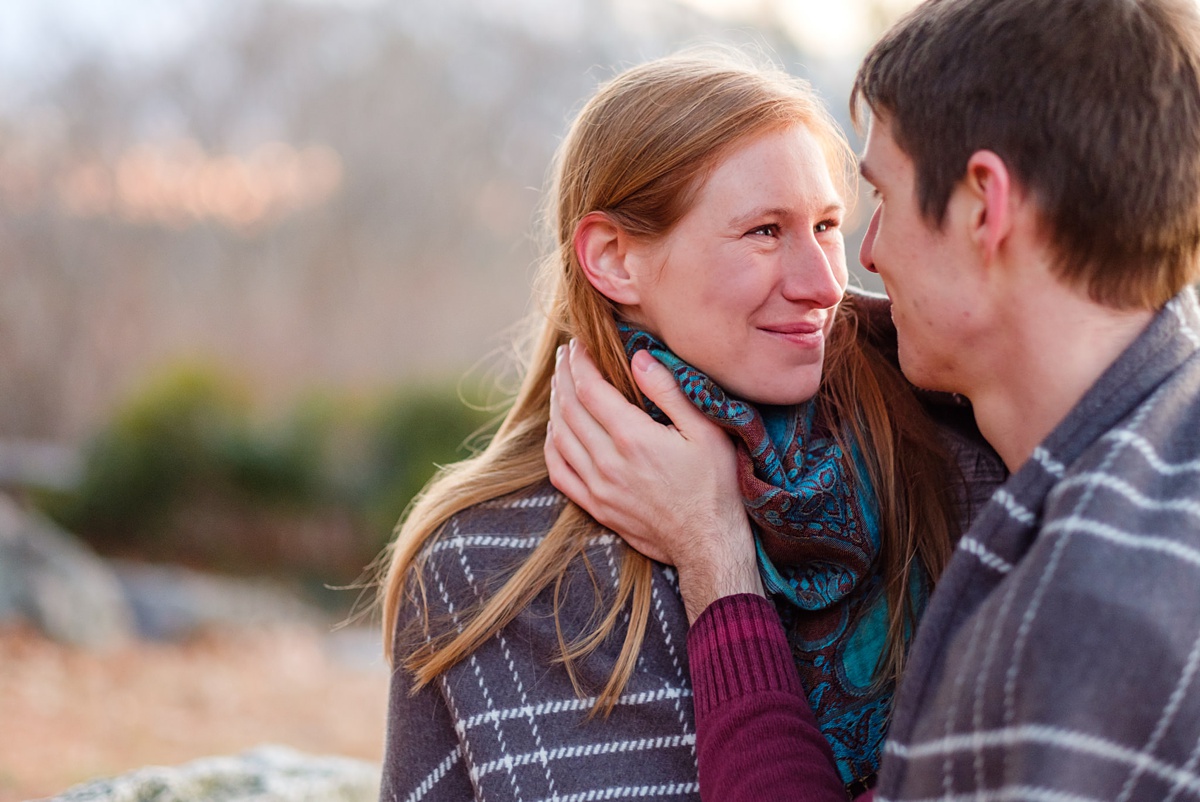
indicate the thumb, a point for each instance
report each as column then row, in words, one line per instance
column 659, row 385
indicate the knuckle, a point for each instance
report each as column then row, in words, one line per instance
column 610, row 469
column 624, row 442
column 585, row 392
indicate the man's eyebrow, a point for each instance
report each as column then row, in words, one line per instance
column 865, row 172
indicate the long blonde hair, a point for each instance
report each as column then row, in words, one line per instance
column 639, row 151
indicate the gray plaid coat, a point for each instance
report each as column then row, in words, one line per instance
column 1058, row 657
column 506, row 724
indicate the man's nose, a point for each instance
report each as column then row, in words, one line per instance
column 866, row 254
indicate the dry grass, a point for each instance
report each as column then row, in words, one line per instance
column 70, row 715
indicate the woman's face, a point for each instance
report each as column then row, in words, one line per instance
column 745, row 286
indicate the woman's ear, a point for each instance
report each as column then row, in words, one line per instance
column 601, row 246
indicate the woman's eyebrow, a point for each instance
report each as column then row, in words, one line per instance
column 758, row 213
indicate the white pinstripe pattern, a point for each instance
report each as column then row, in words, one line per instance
column 1148, row 451
column 625, row 792
column 509, row 762
column 1054, row 737
column 1016, row 793
column 984, row 676
column 985, row 555
column 473, row 662
column 1052, row 466
column 1043, row 584
column 1176, row 305
column 528, row 503
column 576, row 705
column 1131, row 493
column 517, row 738
column 1014, row 507
column 1188, row 768
column 960, row 684
column 520, row 686
column 666, row 631
column 438, row 773
column 1164, row 721
column 1172, row 548
column 463, row 746
column 459, row 542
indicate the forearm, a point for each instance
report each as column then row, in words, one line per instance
column 720, row 573
column 756, row 736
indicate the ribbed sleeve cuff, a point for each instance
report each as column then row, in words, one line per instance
column 737, row 647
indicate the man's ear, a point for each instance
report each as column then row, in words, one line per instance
column 991, row 190
column 601, row 246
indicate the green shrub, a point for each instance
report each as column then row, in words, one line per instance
column 185, row 470
column 167, row 438
column 411, row 435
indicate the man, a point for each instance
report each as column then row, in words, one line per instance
column 1037, row 164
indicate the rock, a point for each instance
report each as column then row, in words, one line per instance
column 265, row 774
column 172, row 602
column 55, row 582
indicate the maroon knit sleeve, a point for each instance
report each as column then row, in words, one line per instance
column 756, row 736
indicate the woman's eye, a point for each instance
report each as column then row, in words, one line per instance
column 825, row 225
column 769, row 230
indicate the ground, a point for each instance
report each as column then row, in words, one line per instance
column 68, row 715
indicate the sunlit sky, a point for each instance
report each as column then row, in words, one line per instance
column 827, row 28
column 824, row 27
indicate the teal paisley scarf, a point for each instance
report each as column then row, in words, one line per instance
column 816, row 528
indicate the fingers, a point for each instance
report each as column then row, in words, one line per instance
column 578, row 438
column 562, row 475
column 589, row 465
column 660, row 386
column 621, row 422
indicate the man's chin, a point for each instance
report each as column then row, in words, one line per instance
column 921, row 374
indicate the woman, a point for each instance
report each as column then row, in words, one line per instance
column 697, row 213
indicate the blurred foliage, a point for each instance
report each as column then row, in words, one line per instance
column 413, row 432
column 187, row 471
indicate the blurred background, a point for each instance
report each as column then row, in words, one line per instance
column 260, row 264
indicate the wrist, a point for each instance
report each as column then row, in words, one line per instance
column 701, row 584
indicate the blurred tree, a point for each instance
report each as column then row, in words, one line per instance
column 439, row 118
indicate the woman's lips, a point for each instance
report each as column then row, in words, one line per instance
column 804, row 333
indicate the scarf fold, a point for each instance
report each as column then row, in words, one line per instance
column 816, row 528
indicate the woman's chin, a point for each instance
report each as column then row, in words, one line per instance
column 772, row 393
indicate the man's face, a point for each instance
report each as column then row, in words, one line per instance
column 925, row 270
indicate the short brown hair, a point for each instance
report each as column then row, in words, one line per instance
column 1093, row 104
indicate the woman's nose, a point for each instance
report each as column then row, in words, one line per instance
column 816, row 274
